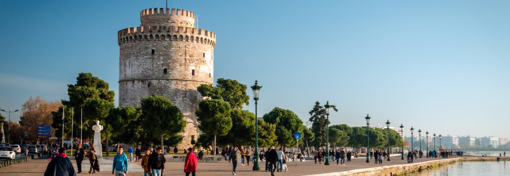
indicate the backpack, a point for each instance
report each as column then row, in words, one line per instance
column 233, row 154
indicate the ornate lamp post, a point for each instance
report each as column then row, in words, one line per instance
column 412, row 138
column 9, row 125
column 427, row 138
column 434, row 142
column 419, row 135
column 440, row 145
column 402, row 130
column 326, row 107
column 256, row 91
column 388, row 128
column 368, row 138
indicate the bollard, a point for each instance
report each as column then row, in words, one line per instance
column 498, row 159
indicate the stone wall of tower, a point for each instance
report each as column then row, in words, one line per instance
column 164, row 58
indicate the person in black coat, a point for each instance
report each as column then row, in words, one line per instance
column 273, row 157
column 79, row 155
column 266, row 156
column 60, row 165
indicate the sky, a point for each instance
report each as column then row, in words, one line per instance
column 439, row 66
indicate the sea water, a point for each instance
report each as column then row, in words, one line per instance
column 489, row 168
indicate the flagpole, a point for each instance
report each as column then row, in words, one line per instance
column 72, row 128
column 81, row 127
column 63, row 110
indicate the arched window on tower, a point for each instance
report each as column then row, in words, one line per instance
column 193, row 72
column 149, row 85
column 153, row 51
column 165, row 71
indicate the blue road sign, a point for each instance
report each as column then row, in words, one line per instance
column 44, row 127
column 43, row 130
column 297, row 135
column 43, row 134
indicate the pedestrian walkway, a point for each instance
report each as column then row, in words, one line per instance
column 37, row 167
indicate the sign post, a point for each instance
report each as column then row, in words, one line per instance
column 297, row 136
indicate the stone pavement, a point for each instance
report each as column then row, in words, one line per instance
column 37, row 167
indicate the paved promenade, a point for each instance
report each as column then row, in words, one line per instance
column 37, row 167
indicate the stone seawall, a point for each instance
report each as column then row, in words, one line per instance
column 403, row 169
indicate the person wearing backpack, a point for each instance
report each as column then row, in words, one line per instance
column 235, row 154
column 60, row 165
column 157, row 162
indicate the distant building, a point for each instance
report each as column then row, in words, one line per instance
column 467, row 141
column 503, row 141
column 450, row 141
column 489, row 141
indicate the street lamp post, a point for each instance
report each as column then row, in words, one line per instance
column 256, row 90
column 326, row 107
column 419, row 134
column 9, row 125
column 440, row 145
column 402, row 130
column 427, row 138
column 388, row 129
column 412, row 138
column 434, row 142
column 368, row 138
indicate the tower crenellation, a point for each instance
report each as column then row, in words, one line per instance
column 172, row 17
column 166, row 56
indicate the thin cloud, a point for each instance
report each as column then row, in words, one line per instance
column 49, row 86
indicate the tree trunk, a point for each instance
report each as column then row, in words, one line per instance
column 307, row 148
column 107, row 153
column 162, row 145
column 214, row 145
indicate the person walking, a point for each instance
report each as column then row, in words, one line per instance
column 190, row 164
column 157, row 162
column 337, row 156
column 175, row 149
column 138, row 153
column 120, row 163
column 79, row 154
column 315, row 155
column 266, row 156
column 94, row 164
column 349, row 155
column 272, row 159
column 376, row 154
column 248, row 154
column 60, row 165
column 235, row 154
column 380, row 157
column 342, row 157
column 281, row 155
column 243, row 155
column 319, row 155
column 147, row 170
column 130, row 151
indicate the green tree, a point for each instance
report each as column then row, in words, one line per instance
column 241, row 133
column 227, row 90
column 319, row 122
column 344, row 139
column 57, row 117
column 287, row 123
column 308, row 136
column 335, row 135
column 162, row 118
column 204, row 140
column 87, row 86
column 267, row 136
column 124, row 125
column 214, row 118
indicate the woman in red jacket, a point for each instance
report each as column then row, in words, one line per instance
column 190, row 165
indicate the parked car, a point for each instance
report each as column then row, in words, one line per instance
column 39, row 148
column 24, row 147
column 33, row 149
column 7, row 152
column 5, row 145
column 16, row 148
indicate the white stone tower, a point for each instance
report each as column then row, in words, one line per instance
column 166, row 56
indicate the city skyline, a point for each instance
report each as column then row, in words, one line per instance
column 436, row 66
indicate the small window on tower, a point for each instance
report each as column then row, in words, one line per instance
column 149, row 85
column 209, row 75
column 192, row 137
column 165, row 71
column 153, row 51
column 193, row 72
column 203, row 54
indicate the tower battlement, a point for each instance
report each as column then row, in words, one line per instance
column 172, row 17
column 171, row 33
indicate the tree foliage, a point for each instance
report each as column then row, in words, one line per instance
column 36, row 111
column 95, row 110
column 162, row 117
column 227, row 90
column 343, row 138
column 214, row 118
column 267, row 135
column 287, row 123
column 319, row 122
column 87, row 86
column 242, row 131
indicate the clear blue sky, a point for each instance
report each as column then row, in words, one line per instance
column 441, row 66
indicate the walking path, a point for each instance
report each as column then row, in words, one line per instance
column 38, row 166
